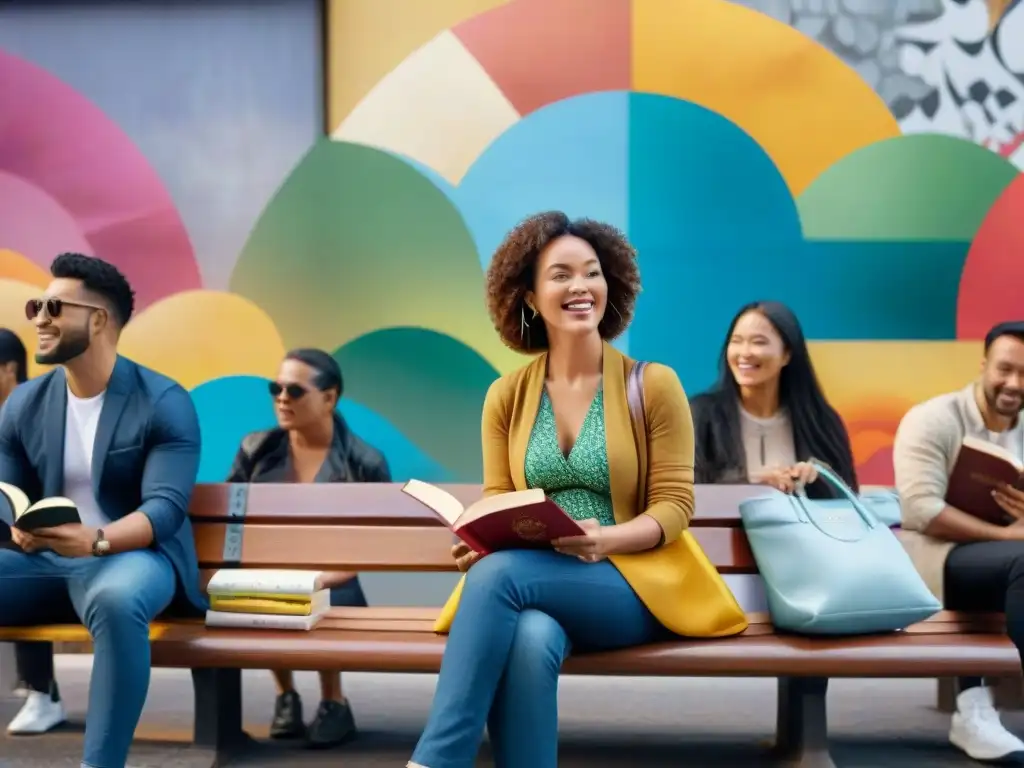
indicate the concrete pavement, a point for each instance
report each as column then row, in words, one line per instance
column 640, row 722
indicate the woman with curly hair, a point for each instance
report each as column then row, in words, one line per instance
column 562, row 288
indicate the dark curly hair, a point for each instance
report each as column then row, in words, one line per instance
column 101, row 278
column 512, row 272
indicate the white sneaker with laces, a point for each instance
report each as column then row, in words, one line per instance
column 39, row 714
column 977, row 730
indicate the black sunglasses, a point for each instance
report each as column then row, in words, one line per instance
column 54, row 307
column 295, row 391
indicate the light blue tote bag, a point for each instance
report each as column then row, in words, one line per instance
column 885, row 505
column 831, row 567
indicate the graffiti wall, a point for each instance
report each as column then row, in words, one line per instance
column 858, row 160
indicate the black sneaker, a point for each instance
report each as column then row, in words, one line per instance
column 287, row 722
column 333, row 725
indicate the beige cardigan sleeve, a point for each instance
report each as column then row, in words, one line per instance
column 925, row 449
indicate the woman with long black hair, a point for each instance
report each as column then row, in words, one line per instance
column 767, row 416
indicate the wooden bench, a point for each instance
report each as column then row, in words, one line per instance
column 377, row 528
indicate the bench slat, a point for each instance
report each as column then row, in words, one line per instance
column 385, row 504
column 421, row 619
column 753, row 656
column 393, row 548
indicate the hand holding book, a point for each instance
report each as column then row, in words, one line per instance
column 986, row 481
column 51, row 523
column 589, row 547
column 1010, row 500
column 67, row 540
column 464, row 556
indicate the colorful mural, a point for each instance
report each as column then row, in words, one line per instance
column 743, row 158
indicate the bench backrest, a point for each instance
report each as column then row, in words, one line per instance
column 376, row 527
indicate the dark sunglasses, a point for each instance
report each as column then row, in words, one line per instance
column 54, row 307
column 295, row 391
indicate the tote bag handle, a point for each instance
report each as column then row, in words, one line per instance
column 827, row 474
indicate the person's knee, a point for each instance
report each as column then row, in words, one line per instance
column 116, row 604
column 539, row 645
column 494, row 573
column 1016, row 575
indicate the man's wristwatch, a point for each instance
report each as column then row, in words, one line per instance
column 100, row 546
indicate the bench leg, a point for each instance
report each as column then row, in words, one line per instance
column 801, row 731
column 218, row 714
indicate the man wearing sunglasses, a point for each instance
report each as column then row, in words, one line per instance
column 122, row 442
column 311, row 444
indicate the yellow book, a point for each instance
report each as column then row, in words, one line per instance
column 277, row 605
column 298, row 597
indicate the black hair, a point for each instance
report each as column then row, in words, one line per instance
column 101, row 278
column 328, row 372
column 13, row 351
column 818, row 431
column 1013, row 328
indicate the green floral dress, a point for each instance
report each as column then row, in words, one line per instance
column 580, row 483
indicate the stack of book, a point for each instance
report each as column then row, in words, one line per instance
column 267, row 599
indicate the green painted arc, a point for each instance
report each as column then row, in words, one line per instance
column 430, row 386
column 923, row 187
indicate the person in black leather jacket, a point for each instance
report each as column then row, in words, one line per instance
column 311, row 444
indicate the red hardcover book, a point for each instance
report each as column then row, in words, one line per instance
column 515, row 520
column 981, row 466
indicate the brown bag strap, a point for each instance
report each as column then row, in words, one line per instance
column 635, row 399
column 637, row 414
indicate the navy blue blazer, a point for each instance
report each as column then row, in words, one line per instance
column 145, row 458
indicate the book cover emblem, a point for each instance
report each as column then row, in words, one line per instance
column 529, row 528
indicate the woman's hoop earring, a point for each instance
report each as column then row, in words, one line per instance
column 615, row 310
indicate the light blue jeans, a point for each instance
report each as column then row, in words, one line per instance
column 519, row 614
column 115, row 597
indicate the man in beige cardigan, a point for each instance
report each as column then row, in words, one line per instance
column 970, row 564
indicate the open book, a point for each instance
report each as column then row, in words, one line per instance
column 515, row 520
column 980, row 466
column 17, row 512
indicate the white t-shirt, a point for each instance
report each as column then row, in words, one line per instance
column 81, row 420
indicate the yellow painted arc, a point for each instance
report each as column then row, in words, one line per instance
column 198, row 336
column 851, row 372
column 801, row 103
column 366, row 39
column 16, row 266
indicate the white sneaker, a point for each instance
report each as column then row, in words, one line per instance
column 977, row 730
column 39, row 714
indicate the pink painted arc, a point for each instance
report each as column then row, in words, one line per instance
column 993, row 273
column 56, row 140
column 521, row 43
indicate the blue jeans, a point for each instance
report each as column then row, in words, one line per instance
column 115, row 597
column 519, row 614
column 349, row 594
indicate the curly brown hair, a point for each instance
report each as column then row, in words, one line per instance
column 511, row 275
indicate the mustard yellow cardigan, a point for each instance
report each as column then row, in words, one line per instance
column 675, row 581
